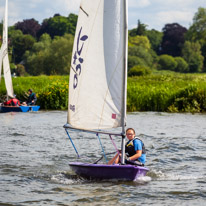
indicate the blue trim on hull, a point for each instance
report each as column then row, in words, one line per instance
column 4, row 109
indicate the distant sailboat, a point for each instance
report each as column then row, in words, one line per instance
column 4, row 58
column 98, row 82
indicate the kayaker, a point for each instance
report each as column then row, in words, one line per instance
column 134, row 150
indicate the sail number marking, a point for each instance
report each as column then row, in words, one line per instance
column 77, row 59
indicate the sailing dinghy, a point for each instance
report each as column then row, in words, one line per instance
column 98, row 83
column 4, row 58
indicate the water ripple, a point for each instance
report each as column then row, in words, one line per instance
column 34, row 159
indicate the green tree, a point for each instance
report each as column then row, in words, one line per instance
column 20, row 43
column 166, row 62
column 35, row 58
column 134, row 61
column 139, row 71
column 72, row 18
column 59, row 60
column 141, row 29
column 155, row 38
column 59, row 25
column 192, row 54
column 197, row 31
column 20, row 70
column 43, row 43
column 182, row 65
column 132, row 32
column 144, row 54
column 50, row 56
column 142, row 41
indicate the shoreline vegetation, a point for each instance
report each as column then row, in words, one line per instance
column 161, row 92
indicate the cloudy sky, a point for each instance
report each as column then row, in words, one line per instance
column 154, row 13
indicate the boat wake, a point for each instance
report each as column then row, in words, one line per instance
column 143, row 180
column 66, row 178
column 69, row 178
column 159, row 175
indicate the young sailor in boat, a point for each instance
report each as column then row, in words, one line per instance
column 12, row 102
column 134, row 149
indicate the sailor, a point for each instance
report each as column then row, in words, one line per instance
column 12, row 102
column 31, row 98
column 134, row 149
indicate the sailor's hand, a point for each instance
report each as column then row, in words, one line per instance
column 128, row 159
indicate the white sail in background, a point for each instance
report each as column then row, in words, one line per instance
column 97, row 74
column 0, row 62
column 4, row 55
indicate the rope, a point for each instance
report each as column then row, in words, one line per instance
column 114, row 147
column 102, row 157
column 114, row 144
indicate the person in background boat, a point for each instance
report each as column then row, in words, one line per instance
column 31, row 98
column 134, row 149
column 12, row 102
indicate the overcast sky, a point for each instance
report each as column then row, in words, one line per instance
column 154, row 13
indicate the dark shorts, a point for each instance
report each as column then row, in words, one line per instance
column 136, row 162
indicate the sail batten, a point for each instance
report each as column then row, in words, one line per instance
column 97, row 81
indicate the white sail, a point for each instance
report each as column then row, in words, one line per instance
column 0, row 62
column 4, row 55
column 97, row 75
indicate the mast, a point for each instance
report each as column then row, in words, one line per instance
column 124, row 80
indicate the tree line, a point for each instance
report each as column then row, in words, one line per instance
column 175, row 48
column 46, row 48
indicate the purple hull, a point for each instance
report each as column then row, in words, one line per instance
column 102, row 171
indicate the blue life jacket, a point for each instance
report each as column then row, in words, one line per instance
column 129, row 147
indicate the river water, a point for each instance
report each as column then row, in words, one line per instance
column 35, row 152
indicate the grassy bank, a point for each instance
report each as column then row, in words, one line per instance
column 170, row 92
column 51, row 91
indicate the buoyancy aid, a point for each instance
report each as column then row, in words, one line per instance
column 32, row 97
column 129, row 147
column 15, row 102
